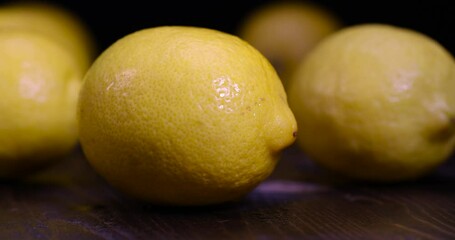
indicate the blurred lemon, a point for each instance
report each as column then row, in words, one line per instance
column 285, row 31
column 183, row 116
column 376, row 102
column 52, row 20
column 39, row 89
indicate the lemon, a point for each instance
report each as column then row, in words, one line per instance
column 376, row 102
column 181, row 115
column 54, row 21
column 39, row 89
column 285, row 31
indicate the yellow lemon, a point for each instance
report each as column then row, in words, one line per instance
column 285, row 31
column 39, row 91
column 182, row 115
column 376, row 102
column 54, row 21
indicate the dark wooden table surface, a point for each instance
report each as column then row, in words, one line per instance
column 299, row 201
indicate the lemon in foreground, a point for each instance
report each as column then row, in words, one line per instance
column 285, row 31
column 181, row 115
column 54, row 21
column 39, row 90
column 376, row 102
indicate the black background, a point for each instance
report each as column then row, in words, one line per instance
column 111, row 20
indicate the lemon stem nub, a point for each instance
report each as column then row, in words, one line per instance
column 445, row 133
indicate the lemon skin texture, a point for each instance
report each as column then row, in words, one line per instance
column 285, row 31
column 376, row 102
column 39, row 88
column 54, row 21
column 180, row 115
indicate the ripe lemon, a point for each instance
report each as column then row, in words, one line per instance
column 285, row 31
column 376, row 102
column 39, row 91
column 55, row 21
column 181, row 115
